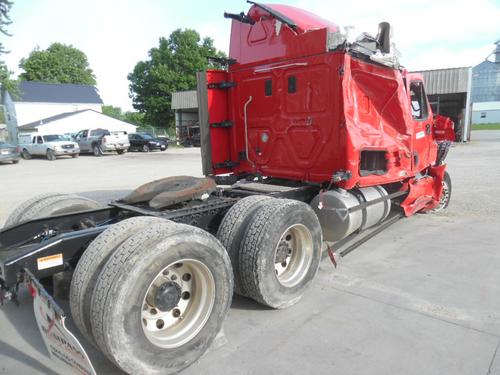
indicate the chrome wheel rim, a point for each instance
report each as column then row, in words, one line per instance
column 293, row 255
column 178, row 303
column 445, row 196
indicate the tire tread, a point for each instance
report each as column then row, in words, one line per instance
column 15, row 216
column 91, row 263
column 231, row 231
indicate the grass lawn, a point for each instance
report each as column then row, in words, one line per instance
column 485, row 126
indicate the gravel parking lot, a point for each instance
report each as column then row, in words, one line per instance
column 422, row 297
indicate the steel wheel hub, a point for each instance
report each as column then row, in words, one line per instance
column 168, row 296
column 293, row 255
column 178, row 303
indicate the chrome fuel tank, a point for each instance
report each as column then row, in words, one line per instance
column 333, row 210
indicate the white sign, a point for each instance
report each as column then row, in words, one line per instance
column 62, row 345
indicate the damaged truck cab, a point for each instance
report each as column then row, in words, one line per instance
column 311, row 144
column 298, row 102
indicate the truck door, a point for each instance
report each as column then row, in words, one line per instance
column 422, row 123
column 84, row 142
column 32, row 146
column 38, row 145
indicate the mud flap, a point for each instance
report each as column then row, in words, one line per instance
column 63, row 346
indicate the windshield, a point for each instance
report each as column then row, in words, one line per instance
column 53, row 138
column 99, row 132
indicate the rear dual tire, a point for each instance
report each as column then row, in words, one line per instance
column 231, row 232
column 275, row 248
column 92, row 262
column 51, row 204
column 140, row 331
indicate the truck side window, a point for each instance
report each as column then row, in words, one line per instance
column 34, row 139
column 84, row 133
column 268, row 87
column 418, row 100
column 39, row 140
column 292, row 84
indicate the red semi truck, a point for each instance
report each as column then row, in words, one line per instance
column 308, row 142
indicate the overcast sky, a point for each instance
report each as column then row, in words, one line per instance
column 115, row 35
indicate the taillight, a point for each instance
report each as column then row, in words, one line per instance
column 104, row 140
column 18, row 149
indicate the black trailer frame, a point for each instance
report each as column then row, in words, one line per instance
column 70, row 234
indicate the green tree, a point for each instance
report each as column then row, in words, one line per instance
column 5, row 6
column 135, row 118
column 115, row 112
column 59, row 63
column 6, row 82
column 172, row 66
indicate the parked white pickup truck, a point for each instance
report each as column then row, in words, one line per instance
column 49, row 145
column 98, row 141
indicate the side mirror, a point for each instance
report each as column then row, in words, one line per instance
column 384, row 37
column 77, row 138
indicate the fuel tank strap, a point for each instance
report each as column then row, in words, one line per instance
column 378, row 200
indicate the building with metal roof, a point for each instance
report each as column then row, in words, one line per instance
column 73, row 122
column 43, row 92
column 446, row 81
column 184, row 100
column 449, row 93
column 187, row 127
column 486, row 89
column 40, row 100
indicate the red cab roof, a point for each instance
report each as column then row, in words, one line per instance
column 303, row 19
